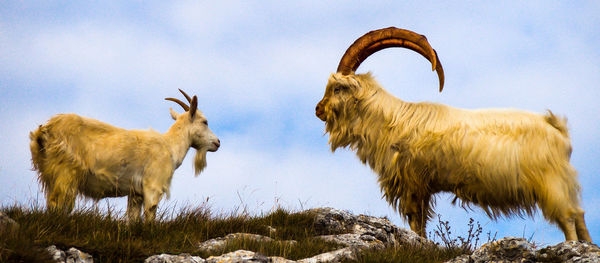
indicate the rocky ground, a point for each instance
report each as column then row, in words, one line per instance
column 363, row 232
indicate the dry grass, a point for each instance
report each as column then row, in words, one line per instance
column 109, row 238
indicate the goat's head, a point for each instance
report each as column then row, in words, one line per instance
column 345, row 85
column 202, row 138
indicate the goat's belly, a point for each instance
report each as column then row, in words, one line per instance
column 496, row 193
column 101, row 185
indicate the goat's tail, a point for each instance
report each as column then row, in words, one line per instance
column 559, row 123
column 40, row 141
column 37, row 147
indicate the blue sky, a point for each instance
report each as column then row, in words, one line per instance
column 260, row 67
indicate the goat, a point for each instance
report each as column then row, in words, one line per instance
column 75, row 155
column 505, row 161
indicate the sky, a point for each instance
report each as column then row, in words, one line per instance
column 260, row 67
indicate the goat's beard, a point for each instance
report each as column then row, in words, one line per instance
column 199, row 161
column 341, row 128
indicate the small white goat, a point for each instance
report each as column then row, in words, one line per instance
column 75, row 155
column 506, row 161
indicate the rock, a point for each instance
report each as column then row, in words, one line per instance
column 511, row 249
column 72, row 255
column 7, row 224
column 217, row 243
column 57, row 254
column 332, row 220
column 76, row 256
column 357, row 233
column 234, row 257
column 182, row 258
column 367, row 227
column 355, row 240
column 571, row 251
column 333, row 256
column 507, row 249
column 245, row 256
column 361, row 232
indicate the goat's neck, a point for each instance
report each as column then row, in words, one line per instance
column 380, row 115
column 381, row 112
column 179, row 142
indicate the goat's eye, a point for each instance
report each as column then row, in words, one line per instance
column 205, row 123
column 337, row 89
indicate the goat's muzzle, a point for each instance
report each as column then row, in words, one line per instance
column 320, row 112
column 215, row 146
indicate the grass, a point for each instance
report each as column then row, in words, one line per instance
column 109, row 238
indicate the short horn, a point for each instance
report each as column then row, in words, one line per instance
column 183, row 105
column 189, row 99
column 380, row 39
column 193, row 106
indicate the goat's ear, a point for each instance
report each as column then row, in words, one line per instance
column 174, row 114
column 193, row 106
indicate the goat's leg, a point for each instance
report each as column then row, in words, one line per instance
column 134, row 207
column 580, row 228
column 151, row 199
column 156, row 178
column 556, row 204
column 567, row 225
column 418, row 213
column 64, row 191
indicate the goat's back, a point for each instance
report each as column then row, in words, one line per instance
column 65, row 141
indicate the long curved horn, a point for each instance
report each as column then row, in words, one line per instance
column 376, row 40
column 183, row 105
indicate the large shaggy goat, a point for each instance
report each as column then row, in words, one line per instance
column 505, row 161
column 75, row 155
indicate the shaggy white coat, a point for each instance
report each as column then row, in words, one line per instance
column 505, row 161
column 75, row 156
